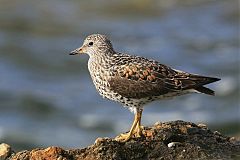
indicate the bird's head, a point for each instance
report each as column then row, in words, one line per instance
column 94, row 44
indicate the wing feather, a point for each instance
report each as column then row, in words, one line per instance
column 138, row 77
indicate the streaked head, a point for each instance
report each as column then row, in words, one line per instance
column 93, row 44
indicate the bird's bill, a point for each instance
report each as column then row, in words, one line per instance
column 77, row 51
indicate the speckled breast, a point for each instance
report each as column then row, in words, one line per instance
column 99, row 76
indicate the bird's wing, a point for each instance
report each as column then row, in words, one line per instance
column 141, row 77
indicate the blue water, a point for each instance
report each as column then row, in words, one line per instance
column 47, row 97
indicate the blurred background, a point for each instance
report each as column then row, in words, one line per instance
column 47, row 97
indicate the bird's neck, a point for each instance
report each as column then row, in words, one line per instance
column 101, row 57
column 99, row 64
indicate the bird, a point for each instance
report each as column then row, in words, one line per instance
column 135, row 81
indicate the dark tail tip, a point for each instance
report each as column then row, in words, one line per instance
column 212, row 79
column 205, row 90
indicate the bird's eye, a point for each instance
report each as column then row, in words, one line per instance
column 90, row 43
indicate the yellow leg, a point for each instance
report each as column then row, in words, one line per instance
column 135, row 129
column 139, row 127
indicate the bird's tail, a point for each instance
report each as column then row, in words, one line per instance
column 205, row 80
column 205, row 90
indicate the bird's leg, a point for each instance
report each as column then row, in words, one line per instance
column 139, row 128
column 136, row 125
column 126, row 136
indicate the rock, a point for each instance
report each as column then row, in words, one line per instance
column 171, row 140
column 5, row 151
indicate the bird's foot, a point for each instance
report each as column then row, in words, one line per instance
column 136, row 133
column 123, row 137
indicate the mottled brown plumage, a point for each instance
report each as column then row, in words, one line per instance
column 134, row 80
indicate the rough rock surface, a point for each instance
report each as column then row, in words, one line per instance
column 5, row 151
column 164, row 141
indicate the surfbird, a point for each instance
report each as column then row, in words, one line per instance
column 134, row 80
